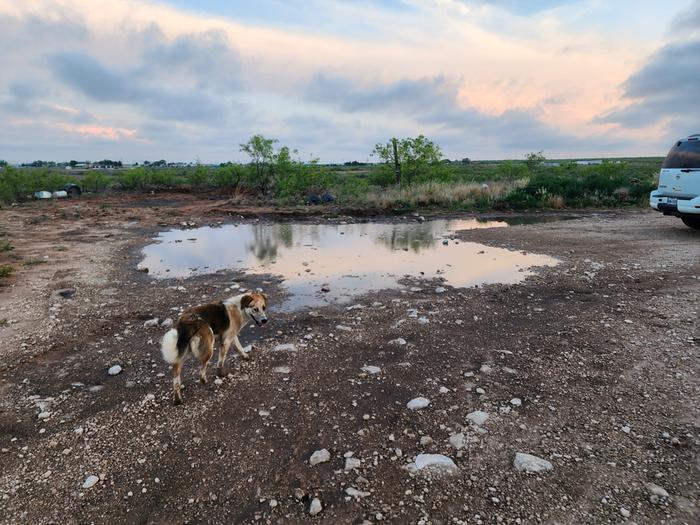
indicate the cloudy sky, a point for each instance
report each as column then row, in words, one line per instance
column 488, row 79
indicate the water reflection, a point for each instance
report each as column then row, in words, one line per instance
column 352, row 258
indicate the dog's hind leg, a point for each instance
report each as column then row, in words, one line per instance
column 204, row 352
column 177, row 369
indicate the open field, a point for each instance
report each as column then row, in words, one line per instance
column 601, row 351
column 477, row 185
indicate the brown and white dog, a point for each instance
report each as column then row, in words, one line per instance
column 198, row 327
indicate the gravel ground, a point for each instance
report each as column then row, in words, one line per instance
column 591, row 366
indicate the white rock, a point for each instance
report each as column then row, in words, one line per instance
column 371, row 369
column 529, row 463
column 626, row 429
column 418, row 403
column 315, row 507
column 151, row 323
column 485, row 369
column 426, row 440
column 287, row 347
column 516, row 402
column 625, row 513
column 399, row 341
column 281, row 370
column 440, row 289
column 273, row 503
column 167, row 323
column 354, row 493
column 457, row 441
column 44, row 415
column 343, row 328
column 444, row 390
column 90, row 481
column 355, row 307
column 433, row 461
column 352, row 463
column 218, row 381
column 480, row 391
column 656, row 490
column 423, row 320
column 477, row 417
column 114, row 370
column 320, row 456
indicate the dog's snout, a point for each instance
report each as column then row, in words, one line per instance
column 263, row 321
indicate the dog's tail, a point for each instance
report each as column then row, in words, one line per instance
column 169, row 346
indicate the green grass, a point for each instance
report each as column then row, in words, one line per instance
column 5, row 270
column 35, row 261
column 5, row 246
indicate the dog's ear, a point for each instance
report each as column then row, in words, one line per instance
column 246, row 300
column 264, row 296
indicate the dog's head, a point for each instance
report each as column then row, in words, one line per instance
column 255, row 305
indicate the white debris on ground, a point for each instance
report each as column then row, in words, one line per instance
column 418, row 403
column 320, row 456
column 528, row 463
column 437, row 462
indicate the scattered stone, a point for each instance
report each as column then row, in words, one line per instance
column 485, row 369
column 325, row 288
column 516, row 402
column 281, row 370
column 440, row 289
column 426, row 440
column 529, row 463
column 444, row 390
column 114, row 370
column 399, row 341
column 90, row 481
column 445, row 242
column 433, row 461
column 151, row 323
column 477, row 417
column 218, row 381
column 167, row 323
column 320, row 456
column 354, row 493
column 625, row 513
column 423, row 320
column 343, row 328
column 371, row 369
column 480, row 391
column 457, row 441
column 352, row 464
column 418, row 403
column 626, row 429
column 44, row 415
column 287, row 347
column 315, row 507
column 656, row 490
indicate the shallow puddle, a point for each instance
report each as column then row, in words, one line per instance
column 346, row 259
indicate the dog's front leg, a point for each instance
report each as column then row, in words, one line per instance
column 239, row 348
column 225, row 345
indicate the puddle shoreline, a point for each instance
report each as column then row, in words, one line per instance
column 331, row 263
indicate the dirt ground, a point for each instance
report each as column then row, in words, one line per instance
column 600, row 351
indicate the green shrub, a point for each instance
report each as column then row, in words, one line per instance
column 95, row 181
column 199, row 176
column 300, row 181
column 5, row 270
column 228, row 176
column 161, row 177
column 134, row 178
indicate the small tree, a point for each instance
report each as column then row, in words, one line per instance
column 411, row 158
column 534, row 161
column 262, row 156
